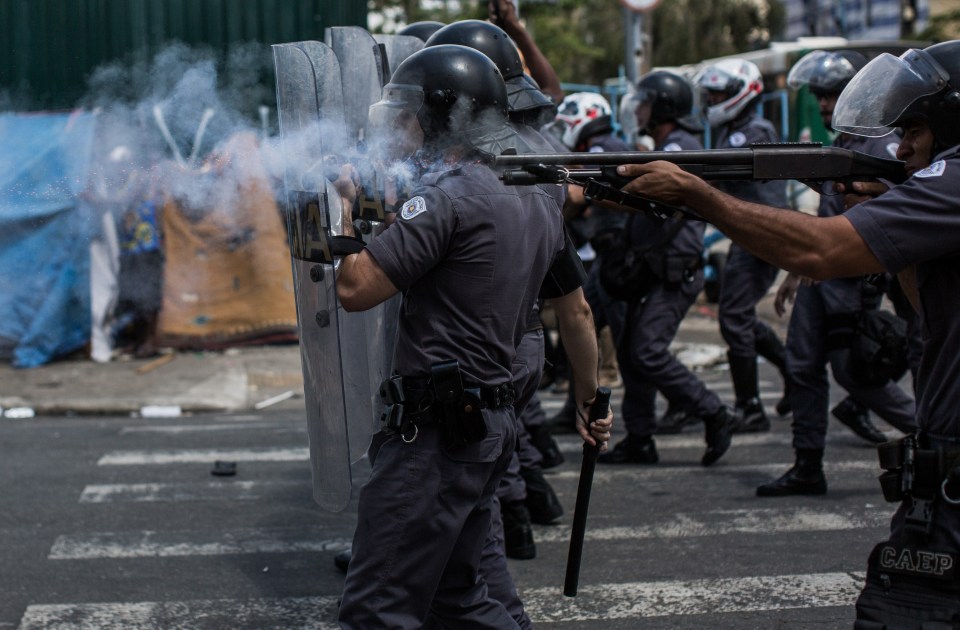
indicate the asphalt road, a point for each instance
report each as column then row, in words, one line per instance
column 118, row 523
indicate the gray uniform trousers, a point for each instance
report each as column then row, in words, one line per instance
column 647, row 365
column 746, row 279
column 807, row 356
column 423, row 520
column 527, row 369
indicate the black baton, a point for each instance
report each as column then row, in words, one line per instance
column 598, row 411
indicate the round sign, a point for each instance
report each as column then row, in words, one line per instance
column 640, row 6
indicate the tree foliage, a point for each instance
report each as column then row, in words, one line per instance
column 585, row 39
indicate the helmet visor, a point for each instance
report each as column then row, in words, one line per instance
column 393, row 129
column 823, row 71
column 877, row 97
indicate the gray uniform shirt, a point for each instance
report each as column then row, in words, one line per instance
column 645, row 230
column 470, row 255
column 740, row 135
column 918, row 223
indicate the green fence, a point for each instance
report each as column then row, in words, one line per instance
column 48, row 48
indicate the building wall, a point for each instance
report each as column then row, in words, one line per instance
column 853, row 19
column 49, row 47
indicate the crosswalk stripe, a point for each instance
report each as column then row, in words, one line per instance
column 632, row 600
column 290, row 613
column 625, row 474
column 693, row 597
column 570, row 443
column 297, row 426
column 204, row 456
column 154, row 544
column 233, row 490
column 723, row 522
column 168, row 544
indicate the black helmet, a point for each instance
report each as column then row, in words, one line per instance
column 826, row 72
column 669, row 95
column 456, row 93
column 523, row 93
column 890, row 91
column 421, row 30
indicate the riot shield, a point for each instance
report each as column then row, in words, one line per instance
column 342, row 354
column 361, row 73
column 397, row 48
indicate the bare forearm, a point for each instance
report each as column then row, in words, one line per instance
column 580, row 342
column 540, row 68
column 818, row 248
column 815, row 247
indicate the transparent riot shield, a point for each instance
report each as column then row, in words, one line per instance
column 361, row 73
column 342, row 354
column 397, row 48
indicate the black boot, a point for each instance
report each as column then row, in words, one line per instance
column 770, row 347
column 751, row 416
column 674, row 421
column 342, row 559
column 542, row 502
column 856, row 417
column 517, row 532
column 719, row 428
column 633, row 449
column 805, row 477
column 549, row 449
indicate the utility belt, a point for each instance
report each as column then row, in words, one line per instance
column 919, row 476
column 441, row 400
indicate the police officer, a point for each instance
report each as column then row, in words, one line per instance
column 912, row 230
column 732, row 89
column 643, row 350
column 469, row 256
column 824, row 313
column 525, row 495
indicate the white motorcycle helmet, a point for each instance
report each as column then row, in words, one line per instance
column 739, row 80
column 577, row 110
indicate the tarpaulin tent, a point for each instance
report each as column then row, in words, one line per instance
column 45, row 232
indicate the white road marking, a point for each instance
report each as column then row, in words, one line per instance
column 606, row 473
column 632, row 600
column 693, row 438
column 177, row 429
column 233, row 490
column 167, row 544
column 693, row 597
column 203, row 456
column 723, row 522
column 290, row 613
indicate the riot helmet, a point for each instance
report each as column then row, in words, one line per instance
column 579, row 110
column 892, row 90
column 523, row 93
column 825, row 72
column 662, row 97
column 421, row 30
column 737, row 81
column 445, row 94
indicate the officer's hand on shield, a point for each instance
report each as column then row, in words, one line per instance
column 858, row 192
column 348, row 185
column 597, row 433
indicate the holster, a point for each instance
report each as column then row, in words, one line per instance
column 920, row 477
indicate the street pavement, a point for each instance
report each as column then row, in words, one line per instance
column 114, row 520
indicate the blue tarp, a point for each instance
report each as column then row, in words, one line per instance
column 45, row 234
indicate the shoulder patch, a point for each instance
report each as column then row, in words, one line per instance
column 934, row 170
column 673, row 146
column 737, row 139
column 413, row 207
column 891, row 148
